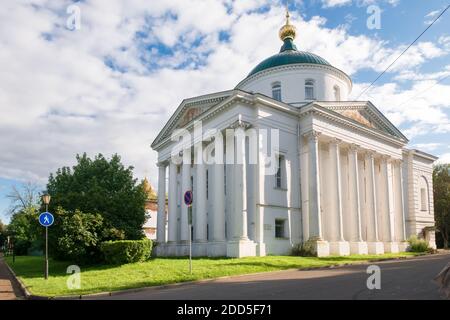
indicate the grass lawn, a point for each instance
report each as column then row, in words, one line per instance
column 160, row 271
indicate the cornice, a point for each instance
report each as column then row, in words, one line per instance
column 299, row 66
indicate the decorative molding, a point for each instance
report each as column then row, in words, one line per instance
column 312, row 135
column 335, row 71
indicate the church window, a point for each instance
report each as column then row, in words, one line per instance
column 309, row 90
column 337, row 93
column 280, row 231
column 279, row 174
column 276, row 91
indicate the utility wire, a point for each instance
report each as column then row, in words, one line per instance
column 366, row 89
column 427, row 89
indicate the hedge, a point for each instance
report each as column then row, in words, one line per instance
column 126, row 251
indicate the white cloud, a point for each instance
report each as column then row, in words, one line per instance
column 444, row 158
column 59, row 98
column 359, row 3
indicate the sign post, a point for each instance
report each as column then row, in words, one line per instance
column 46, row 219
column 188, row 198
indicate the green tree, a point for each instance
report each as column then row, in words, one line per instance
column 24, row 228
column 25, row 231
column 101, row 186
column 76, row 236
column 2, row 234
column 441, row 184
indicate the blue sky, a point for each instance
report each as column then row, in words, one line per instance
column 111, row 85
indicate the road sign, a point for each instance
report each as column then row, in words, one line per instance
column 46, row 219
column 188, row 197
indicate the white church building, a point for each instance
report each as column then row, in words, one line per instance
column 344, row 180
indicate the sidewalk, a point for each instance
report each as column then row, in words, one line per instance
column 9, row 289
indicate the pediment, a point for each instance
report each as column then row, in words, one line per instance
column 190, row 109
column 366, row 114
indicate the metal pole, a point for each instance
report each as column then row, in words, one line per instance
column 190, row 240
column 46, row 248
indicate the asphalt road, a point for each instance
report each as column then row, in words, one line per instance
column 400, row 279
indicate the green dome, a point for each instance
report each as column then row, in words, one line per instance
column 288, row 55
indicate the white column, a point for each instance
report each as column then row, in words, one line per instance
column 161, row 220
column 218, row 197
column 200, row 203
column 240, row 245
column 400, row 208
column 172, row 217
column 185, row 186
column 373, row 238
column 388, row 235
column 357, row 246
column 240, row 178
column 339, row 246
column 315, row 212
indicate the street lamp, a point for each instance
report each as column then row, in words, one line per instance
column 46, row 200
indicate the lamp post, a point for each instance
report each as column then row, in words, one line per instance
column 46, row 200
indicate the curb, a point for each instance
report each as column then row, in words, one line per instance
column 23, row 288
column 30, row 296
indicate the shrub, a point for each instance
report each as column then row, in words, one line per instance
column 417, row 245
column 304, row 249
column 126, row 251
column 76, row 236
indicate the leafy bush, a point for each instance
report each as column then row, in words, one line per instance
column 76, row 236
column 126, row 251
column 304, row 249
column 417, row 245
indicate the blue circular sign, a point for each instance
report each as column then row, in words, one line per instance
column 188, row 197
column 46, row 219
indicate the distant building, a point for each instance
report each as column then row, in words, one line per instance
column 151, row 208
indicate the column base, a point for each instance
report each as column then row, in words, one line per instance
column 391, row 247
column 261, row 249
column 319, row 247
column 199, row 248
column 375, row 247
column 217, row 249
column 182, row 249
column 339, row 248
column 241, row 248
column 359, row 247
column 403, row 246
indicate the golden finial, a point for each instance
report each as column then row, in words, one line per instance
column 288, row 31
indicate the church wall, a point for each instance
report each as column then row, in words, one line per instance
column 278, row 246
column 419, row 175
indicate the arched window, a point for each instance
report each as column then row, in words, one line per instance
column 276, row 91
column 337, row 93
column 309, row 90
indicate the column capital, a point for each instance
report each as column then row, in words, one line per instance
column 161, row 164
column 335, row 141
column 312, row 135
column 354, row 147
column 385, row 158
column 371, row 153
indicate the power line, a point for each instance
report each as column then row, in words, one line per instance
column 402, row 53
column 427, row 89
